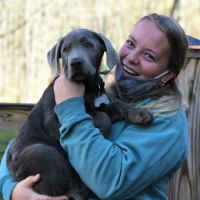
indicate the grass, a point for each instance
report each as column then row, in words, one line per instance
column 5, row 137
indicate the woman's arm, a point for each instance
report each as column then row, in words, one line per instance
column 6, row 182
column 134, row 158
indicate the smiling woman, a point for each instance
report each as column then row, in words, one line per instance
column 145, row 56
column 145, row 53
column 152, row 56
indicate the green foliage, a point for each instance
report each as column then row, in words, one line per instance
column 5, row 137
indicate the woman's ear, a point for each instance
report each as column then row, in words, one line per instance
column 168, row 76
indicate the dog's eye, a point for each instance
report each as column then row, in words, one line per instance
column 65, row 49
column 88, row 44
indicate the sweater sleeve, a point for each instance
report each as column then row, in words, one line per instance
column 123, row 166
column 6, row 182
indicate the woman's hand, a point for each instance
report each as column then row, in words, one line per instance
column 65, row 89
column 24, row 191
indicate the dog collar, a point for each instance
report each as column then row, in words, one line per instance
column 97, row 89
column 99, row 97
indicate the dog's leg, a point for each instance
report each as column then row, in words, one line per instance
column 74, row 194
column 120, row 110
column 102, row 121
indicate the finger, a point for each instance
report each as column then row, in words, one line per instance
column 31, row 180
column 59, row 198
column 44, row 197
column 36, row 178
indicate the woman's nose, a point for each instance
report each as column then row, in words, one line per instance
column 133, row 57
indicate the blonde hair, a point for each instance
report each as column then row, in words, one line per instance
column 164, row 106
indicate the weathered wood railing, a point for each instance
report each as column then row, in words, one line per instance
column 12, row 115
column 185, row 185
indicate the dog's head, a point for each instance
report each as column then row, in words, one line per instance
column 81, row 52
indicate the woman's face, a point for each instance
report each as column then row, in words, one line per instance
column 145, row 53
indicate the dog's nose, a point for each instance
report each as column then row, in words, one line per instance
column 76, row 62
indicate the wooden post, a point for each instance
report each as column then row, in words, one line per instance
column 185, row 184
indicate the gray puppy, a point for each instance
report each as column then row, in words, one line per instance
column 36, row 148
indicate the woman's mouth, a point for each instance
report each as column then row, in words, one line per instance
column 129, row 71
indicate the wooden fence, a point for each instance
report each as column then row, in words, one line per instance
column 185, row 185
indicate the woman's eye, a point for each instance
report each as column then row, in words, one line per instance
column 130, row 43
column 150, row 57
column 88, row 44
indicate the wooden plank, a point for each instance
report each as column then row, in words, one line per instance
column 12, row 118
column 17, row 106
column 186, row 77
column 195, row 134
column 193, row 53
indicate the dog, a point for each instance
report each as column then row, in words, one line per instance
column 36, row 148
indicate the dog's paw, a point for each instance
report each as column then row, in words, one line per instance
column 141, row 117
column 119, row 110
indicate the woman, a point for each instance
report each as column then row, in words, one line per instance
column 136, row 162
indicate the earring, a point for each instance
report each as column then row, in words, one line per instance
column 162, row 84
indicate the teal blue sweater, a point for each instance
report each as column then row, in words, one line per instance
column 136, row 162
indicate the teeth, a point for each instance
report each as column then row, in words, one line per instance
column 129, row 71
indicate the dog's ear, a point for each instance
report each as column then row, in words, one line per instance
column 53, row 57
column 112, row 55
